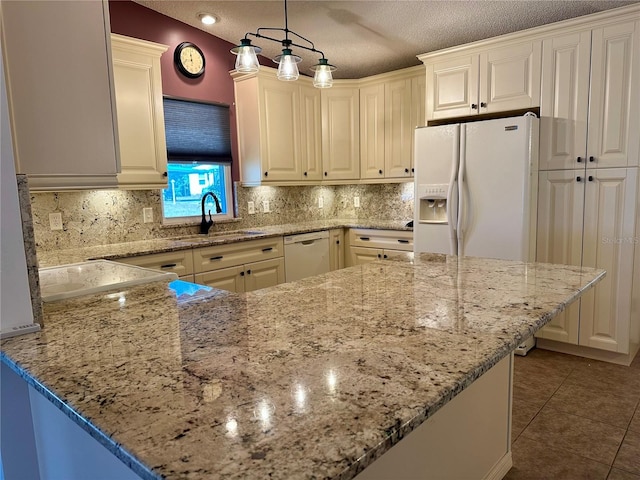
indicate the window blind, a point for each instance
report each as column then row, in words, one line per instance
column 197, row 131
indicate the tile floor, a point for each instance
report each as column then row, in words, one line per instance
column 575, row 418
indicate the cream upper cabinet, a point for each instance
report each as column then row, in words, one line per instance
column 138, row 92
column 489, row 80
column 418, row 109
column 398, row 128
column 59, row 90
column 279, row 129
column 341, row 131
column 372, row 131
column 590, row 96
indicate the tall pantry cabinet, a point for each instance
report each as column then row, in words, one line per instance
column 588, row 181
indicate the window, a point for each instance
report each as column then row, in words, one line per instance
column 199, row 160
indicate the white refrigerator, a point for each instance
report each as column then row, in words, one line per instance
column 476, row 188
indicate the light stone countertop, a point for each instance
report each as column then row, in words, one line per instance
column 160, row 245
column 310, row 379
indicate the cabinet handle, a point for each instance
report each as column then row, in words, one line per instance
column 165, row 174
column 365, row 239
column 325, row 174
column 578, row 179
column 474, row 106
column 579, row 159
column 406, row 170
column 592, row 159
column 219, row 257
column 248, row 272
column 242, row 274
column 591, row 178
column 169, row 265
column 403, row 240
column 380, row 172
column 266, row 174
column 305, row 174
column 268, row 249
column 483, row 104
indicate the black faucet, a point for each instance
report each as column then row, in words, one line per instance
column 206, row 224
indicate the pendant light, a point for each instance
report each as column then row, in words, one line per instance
column 247, row 60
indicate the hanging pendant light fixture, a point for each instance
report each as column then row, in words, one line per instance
column 247, row 60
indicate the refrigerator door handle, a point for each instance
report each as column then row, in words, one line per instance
column 451, row 211
column 461, row 194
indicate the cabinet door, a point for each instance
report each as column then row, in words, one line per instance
column 418, row 109
column 610, row 217
column 310, row 133
column 564, row 101
column 362, row 255
column 340, row 133
column 452, row 87
column 613, row 107
column 138, row 91
column 336, row 249
column 263, row 274
column 230, row 279
column 398, row 128
column 279, row 130
column 58, row 72
column 510, row 77
column 372, row 131
column 559, row 238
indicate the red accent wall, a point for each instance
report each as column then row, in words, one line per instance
column 215, row 84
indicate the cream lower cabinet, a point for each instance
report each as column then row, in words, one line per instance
column 138, row 92
column 179, row 262
column 336, row 249
column 368, row 245
column 245, row 278
column 590, row 84
column 241, row 266
column 588, row 217
column 484, row 80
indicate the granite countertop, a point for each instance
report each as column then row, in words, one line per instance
column 161, row 245
column 310, row 379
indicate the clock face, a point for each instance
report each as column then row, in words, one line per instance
column 189, row 60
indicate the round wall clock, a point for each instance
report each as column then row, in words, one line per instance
column 189, row 59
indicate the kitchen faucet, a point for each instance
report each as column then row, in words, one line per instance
column 205, row 225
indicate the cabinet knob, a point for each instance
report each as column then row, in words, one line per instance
column 164, row 174
column 579, row 159
column 380, row 172
column 305, row 174
column 384, row 256
column 266, row 174
column 578, row 179
column 242, row 274
column 406, row 170
column 379, row 256
column 591, row 178
column 337, row 242
column 592, row 159
column 413, row 170
column 325, row 174
column 474, row 106
column 249, row 272
column 483, row 104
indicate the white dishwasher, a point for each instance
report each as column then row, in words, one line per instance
column 305, row 255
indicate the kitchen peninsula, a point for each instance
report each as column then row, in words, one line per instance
column 312, row 379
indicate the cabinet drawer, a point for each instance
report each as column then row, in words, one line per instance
column 233, row 254
column 391, row 239
column 180, row 262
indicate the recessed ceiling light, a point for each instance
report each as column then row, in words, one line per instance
column 207, row 18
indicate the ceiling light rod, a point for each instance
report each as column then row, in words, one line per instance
column 247, row 60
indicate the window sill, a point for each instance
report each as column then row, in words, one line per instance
column 197, row 223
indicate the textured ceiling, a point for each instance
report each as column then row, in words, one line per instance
column 363, row 38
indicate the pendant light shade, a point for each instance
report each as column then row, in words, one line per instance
column 323, row 77
column 247, row 59
column 287, row 65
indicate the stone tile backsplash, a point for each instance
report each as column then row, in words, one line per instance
column 113, row 216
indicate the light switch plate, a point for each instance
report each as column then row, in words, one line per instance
column 251, row 207
column 55, row 221
column 265, row 206
column 320, row 202
column 356, row 202
column 147, row 215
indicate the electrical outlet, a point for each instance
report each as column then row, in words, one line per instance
column 55, row 221
column 251, row 207
column 356, row 202
column 265, row 206
column 147, row 215
column 320, row 202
